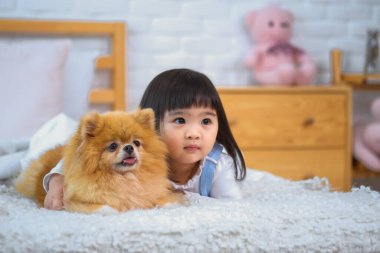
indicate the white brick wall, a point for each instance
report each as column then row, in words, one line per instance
column 209, row 35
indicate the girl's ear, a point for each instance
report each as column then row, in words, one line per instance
column 90, row 125
column 145, row 117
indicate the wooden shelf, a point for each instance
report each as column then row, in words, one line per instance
column 354, row 80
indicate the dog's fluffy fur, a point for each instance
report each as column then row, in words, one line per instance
column 114, row 159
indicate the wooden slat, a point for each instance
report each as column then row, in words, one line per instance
column 373, row 76
column 118, row 45
column 104, row 62
column 336, row 68
column 353, row 78
column 78, row 28
column 101, row 96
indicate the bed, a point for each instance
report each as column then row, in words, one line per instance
column 275, row 215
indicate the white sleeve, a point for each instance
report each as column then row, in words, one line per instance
column 224, row 182
column 56, row 170
column 56, row 131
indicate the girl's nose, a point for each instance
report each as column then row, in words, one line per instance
column 192, row 133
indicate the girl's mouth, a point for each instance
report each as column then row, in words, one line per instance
column 192, row 148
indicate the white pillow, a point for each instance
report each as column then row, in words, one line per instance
column 31, row 84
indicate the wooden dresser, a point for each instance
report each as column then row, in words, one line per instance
column 294, row 132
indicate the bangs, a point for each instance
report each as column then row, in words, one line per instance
column 188, row 91
column 186, row 98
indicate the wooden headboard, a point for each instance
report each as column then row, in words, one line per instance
column 114, row 62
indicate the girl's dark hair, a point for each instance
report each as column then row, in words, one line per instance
column 184, row 88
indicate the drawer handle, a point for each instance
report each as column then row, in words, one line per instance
column 309, row 121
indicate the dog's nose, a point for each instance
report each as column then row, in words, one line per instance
column 128, row 149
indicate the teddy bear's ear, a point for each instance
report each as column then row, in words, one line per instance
column 250, row 18
column 291, row 16
column 145, row 117
column 90, row 125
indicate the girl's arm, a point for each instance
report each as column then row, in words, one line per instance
column 56, row 170
column 54, row 196
column 53, row 185
column 224, row 182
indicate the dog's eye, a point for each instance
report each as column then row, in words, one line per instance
column 112, row 147
column 137, row 143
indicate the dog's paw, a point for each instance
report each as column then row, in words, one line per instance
column 106, row 209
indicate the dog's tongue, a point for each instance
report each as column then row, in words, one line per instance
column 129, row 161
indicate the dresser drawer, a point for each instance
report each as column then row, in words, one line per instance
column 303, row 164
column 295, row 132
column 287, row 119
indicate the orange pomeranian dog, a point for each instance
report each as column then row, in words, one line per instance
column 113, row 161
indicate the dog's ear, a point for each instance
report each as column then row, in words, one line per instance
column 146, row 117
column 90, row 125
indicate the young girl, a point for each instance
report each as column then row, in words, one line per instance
column 203, row 155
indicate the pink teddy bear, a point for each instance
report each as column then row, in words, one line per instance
column 273, row 59
column 367, row 139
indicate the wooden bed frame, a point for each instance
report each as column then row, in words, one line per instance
column 114, row 62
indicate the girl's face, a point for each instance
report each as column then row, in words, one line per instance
column 189, row 134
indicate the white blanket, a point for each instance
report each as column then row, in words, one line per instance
column 275, row 215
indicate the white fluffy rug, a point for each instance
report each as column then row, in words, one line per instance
column 276, row 215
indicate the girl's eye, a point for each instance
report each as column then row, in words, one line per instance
column 179, row 121
column 206, row 122
column 270, row 23
column 137, row 143
column 284, row 25
column 112, row 147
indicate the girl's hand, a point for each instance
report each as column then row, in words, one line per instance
column 54, row 196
